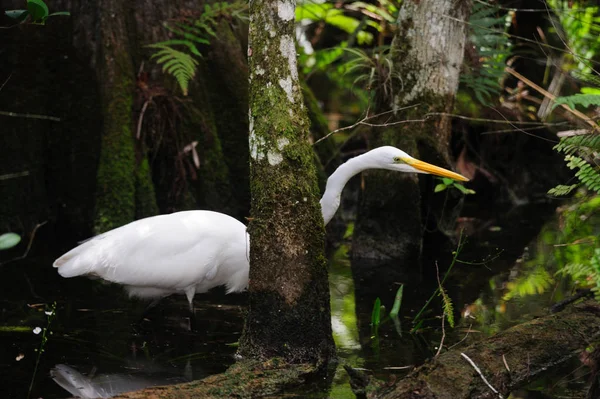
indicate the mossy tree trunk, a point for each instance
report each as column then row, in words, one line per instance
column 289, row 314
column 427, row 54
column 115, row 198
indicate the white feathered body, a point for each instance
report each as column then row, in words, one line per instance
column 185, row 252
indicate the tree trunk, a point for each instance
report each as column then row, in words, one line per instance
column 427, row 53
column 289, row 314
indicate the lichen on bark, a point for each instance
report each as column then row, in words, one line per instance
column 289, row 312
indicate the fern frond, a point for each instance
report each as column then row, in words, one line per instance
column 587, row 174
column 537, row 281
column 584, row 100
column 562, row 190
column 490, row 47
column 179, row 64
column 585, row 143
column 447, row 306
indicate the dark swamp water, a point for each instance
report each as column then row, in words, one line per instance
column 95, row 338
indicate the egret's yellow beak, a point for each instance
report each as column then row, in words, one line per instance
column 434, row 170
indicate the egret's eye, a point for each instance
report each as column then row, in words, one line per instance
column 398, row 160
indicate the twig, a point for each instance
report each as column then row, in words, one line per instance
column 37, row 226
column 505, row 363
column 363, row 122
column 141, row 118
column 481, row 375
column 30, row 116
column 9, row 176
column 5, row 82
column 559, row 306
column 465, row 337
column 571, row 133
column 522, row 38
column 437, row 274
column 399, row 367
column 551, row 97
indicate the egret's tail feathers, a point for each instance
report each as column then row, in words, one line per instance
column 73, row 263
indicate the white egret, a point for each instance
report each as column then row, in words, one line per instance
column 191, row 252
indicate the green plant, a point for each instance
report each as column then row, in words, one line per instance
column 450, row 183
column 36, row 13
column 174, row 54
column 487, row 51
column 447, row 306
column 50, row 314
column 9, row 240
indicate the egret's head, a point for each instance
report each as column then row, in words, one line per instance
column 392, row 158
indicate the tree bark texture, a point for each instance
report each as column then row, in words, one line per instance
column 426, row 53
column 289, row 314
column 529, row 349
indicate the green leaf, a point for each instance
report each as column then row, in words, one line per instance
column 447, row 181
column 440, row 187
column 58, row 13
column 19, row 15
column 38, row 10
column 9, row 240
column 376, row 314
column 397, row 302
column 463, row 189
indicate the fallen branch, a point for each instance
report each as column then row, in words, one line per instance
column 530, row 348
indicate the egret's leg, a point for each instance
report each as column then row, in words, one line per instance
column 189, row 293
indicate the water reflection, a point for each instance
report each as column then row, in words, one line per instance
column 109, row 385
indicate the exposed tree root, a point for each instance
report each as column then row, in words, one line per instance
column 244, row 379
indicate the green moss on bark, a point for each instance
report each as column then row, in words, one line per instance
column 289, row 312
column 115, row 197
column 145, row 198
column 115, row 203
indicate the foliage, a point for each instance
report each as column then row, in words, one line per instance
column 588, row 174
column 348, row 67
column 579, row 99
column 180, row 65
column 536, row 281
column 397, row 302
column 37, row 12
column 451, row 183
column 9, row 240
column 191, row 33
column 580, row 29
column 447, row 305
column 488, row 51
column 587, row 273
column 376, row 315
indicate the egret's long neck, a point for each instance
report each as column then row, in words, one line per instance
column 336, row 182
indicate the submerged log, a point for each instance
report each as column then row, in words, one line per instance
column 247, row 379
column 507, row 360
